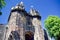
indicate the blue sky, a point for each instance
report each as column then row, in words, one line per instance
column 45, row 8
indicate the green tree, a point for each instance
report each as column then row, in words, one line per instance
column 2, row 4
column 52, row 24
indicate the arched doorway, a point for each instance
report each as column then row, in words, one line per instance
column 29, row 36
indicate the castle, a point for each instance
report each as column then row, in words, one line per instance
column 24, row 26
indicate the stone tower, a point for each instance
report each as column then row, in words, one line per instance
column 23, row 25
column 36, row 22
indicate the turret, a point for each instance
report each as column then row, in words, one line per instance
column 17, row 20
column 35, row 13
column 39, row 34
column 19, row 6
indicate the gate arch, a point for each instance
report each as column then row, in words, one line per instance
column 29, row 35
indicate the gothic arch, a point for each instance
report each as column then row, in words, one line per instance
column 29, row 35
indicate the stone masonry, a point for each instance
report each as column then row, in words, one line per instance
column 23, row 25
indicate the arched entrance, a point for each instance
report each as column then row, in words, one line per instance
column 29, row 36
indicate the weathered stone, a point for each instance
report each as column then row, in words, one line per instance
column 21, row 24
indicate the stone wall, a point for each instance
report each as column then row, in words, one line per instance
column 2, row 32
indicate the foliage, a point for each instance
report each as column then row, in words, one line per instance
column 2, row 4
column 52, row 24
column 0, row 13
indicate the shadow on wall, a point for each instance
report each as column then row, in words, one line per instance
column 14, row 35
column 45, row 35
